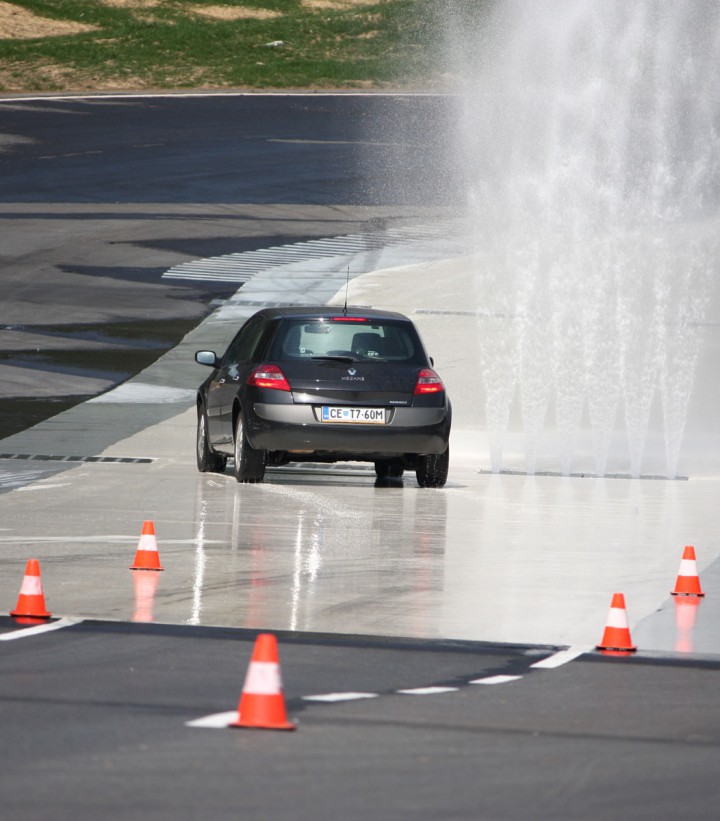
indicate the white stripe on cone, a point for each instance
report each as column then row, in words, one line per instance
column 31, row 586
column 688, row 567
column 617, row 618
column 263, row 679
column 148, row 543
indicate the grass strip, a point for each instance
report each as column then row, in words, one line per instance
column 178, row 44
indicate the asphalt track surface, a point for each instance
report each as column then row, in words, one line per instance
column 95, row 724
column 100, row 196
column 95, row 714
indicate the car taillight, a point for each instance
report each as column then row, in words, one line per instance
column 428, row 382
column 269, row 376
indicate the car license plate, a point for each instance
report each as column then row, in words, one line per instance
column 360, row 416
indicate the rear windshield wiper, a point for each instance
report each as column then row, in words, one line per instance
column 336, row 358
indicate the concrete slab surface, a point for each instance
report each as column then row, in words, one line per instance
column 494, row 557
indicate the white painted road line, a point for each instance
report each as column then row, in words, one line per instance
column 216, row 721
column 563, row 657
column 221, row 720
column 28, row 632
column 44, row 487
column 428, row 691
column 495, row 680
column 99, row 96
column 333, row 697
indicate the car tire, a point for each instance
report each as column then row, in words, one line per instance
column 249, row 463
column 384, row 469
column 207, row 460
column 432, row 469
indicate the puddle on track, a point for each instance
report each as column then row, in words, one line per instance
column 127, row 348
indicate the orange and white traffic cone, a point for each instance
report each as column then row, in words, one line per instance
column 147, row 556
column 262, row 703
column 31, row 602
column 617, row 632
column 688, row 581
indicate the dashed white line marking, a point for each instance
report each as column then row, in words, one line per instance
column 214, row 722
column 28, row 632
column 560, row 658
column 495, row 680
column 331, row 697
column 427, row 691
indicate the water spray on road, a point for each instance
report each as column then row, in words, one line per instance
column 590, row 136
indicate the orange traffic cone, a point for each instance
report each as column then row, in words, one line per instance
column 688, row 581
column 147, row 556
column 31, row 602
column 617, row 632
column 262, row 703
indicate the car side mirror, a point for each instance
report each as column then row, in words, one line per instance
column 432, row 361
column 207, row 358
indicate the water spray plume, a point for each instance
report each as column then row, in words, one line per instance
column 589, row 132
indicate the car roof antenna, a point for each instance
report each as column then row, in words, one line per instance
column 347, row 285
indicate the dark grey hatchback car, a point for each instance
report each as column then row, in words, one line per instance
column 324, row 384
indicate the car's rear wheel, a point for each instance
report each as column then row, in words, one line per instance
column 432, row 469
column 385, row 469
column 207, row 460
column 249, row 463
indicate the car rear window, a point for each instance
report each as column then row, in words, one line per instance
column 380, row 341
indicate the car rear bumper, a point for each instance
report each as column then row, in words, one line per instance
column 297, row 427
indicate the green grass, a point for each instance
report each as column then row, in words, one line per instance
column 374, row 45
